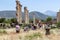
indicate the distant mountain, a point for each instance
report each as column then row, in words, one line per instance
column 8, row 14
column 12, row 14
column 51, row 13
column 38, row 15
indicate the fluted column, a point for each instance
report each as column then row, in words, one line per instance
column 26, row 15
column 33, row 18
column 58, row 16
column 18, row 12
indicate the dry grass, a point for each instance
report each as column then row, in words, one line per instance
column 31, row 35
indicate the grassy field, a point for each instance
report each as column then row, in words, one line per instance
column 39, row 34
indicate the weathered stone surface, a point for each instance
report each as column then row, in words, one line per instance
column 18, row 12
column 58, row 16
column 26, row 15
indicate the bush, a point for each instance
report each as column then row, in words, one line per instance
column 49, row 19
column 24, row 25
column 3, row 31
column 7, row 21
column 13, row 20
column 58, row 25
column 35, row 35
column 2, row 20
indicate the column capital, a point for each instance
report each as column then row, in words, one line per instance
column 59, row 10
column 25, row 7
column 20, row 5
column 16, row 0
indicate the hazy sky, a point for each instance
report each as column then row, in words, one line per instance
column 32, row 5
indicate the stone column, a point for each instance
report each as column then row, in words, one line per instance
column 18, row 12
column 26, row 15
column 33, row 18
column 58, row 16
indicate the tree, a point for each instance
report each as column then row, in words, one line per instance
column 48, row 19
column 13, row 20
column 7, row 21
column 2, row 20
column 43, row 20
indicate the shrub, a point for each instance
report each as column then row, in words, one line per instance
column 35, row 35
column 13, row 20
column 2, row 20
column 58, row 25
column 24, row 25
column 7, row 21
column 48, row 19
column 3, row 32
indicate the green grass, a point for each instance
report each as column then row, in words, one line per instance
column 33, row 36
column 2, row 31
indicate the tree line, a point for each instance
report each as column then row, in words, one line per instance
column 4, row 20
